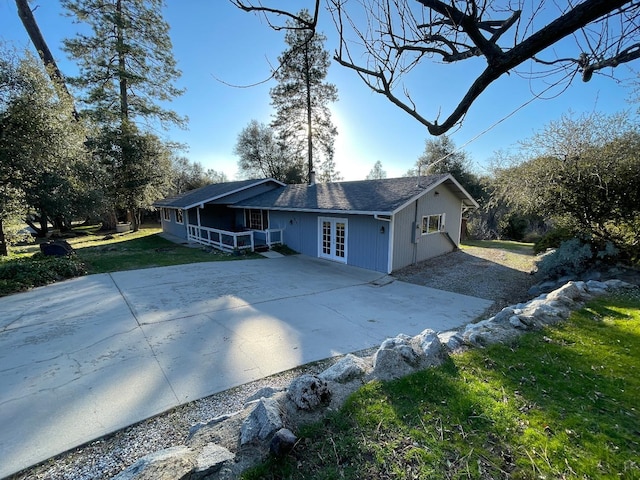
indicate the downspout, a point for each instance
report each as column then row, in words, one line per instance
column 392, row 225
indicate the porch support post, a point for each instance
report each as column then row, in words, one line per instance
column 199, row 225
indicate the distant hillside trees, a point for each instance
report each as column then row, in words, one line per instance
column 376, row 173
column 187, row 175
column 582, row 173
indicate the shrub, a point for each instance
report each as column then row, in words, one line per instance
column 21, row 274
column 553, row 239
column 575, row 256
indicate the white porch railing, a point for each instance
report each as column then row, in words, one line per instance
column 270, row 237
column 221, row 239
column 230, row 241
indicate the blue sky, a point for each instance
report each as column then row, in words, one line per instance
column 214, row 39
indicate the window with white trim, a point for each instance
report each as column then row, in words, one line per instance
column 432, row 224
column 166, row 215
column 256, row 219
column 179, row 218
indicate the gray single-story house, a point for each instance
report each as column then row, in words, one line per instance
column 380, row 225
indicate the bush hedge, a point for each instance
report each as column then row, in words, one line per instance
column 20, row 274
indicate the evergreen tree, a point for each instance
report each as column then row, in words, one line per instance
column 126, row 62
column 301, row 99
column 137, row 166
column 441, row 156
column 127, row 71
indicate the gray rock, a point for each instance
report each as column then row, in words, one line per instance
column 309, row 392
column 395, row 358
column 430, row 347
column 503, row 316
column 547, row 286
column 596, row 287
column 169, row 464
column 515, row 322
column 615, row 284
column 211, row 459
column 282, row 442
column 452, row 340
column 402, row 355
column 199, row 426
column 568, row 294
column 534, row 291
column 346, row 369
column 264, row 420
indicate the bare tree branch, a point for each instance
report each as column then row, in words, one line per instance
column 399, row 35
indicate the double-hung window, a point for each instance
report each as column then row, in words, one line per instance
column 179, row 218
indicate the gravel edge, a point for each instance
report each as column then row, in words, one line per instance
column 107, row 456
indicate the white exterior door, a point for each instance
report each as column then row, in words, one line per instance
column 332, row 241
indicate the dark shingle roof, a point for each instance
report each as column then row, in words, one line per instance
column 383, row 196
column 207, row 193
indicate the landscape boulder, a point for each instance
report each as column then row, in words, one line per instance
column 264, row 420
column 346, row 369
column 168, row 464
column 309, row 392
column 402, row 355
column 282, row 442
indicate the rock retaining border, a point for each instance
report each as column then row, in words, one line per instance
column 223, row 448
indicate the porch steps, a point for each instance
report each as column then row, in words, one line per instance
column 270, row 254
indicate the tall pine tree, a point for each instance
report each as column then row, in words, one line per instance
column 126, row 63
column 302, row 97
column 127, row 73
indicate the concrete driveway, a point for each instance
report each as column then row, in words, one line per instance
column 89, row 356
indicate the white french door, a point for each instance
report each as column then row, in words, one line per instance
column 332, row 241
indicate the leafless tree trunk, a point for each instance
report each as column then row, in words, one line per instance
column 31, row 26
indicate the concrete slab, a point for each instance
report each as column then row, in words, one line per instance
column 86, row 357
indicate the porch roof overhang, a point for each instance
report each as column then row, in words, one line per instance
column 213, row 193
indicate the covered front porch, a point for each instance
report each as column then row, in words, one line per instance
column 230, row 241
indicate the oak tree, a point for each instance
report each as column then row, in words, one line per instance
column 262, row 154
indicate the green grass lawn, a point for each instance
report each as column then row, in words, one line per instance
column 518, row 247
column 98, row 252
column 560, row 403
column 142, row 249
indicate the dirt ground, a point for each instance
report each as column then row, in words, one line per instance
column 501, row 275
